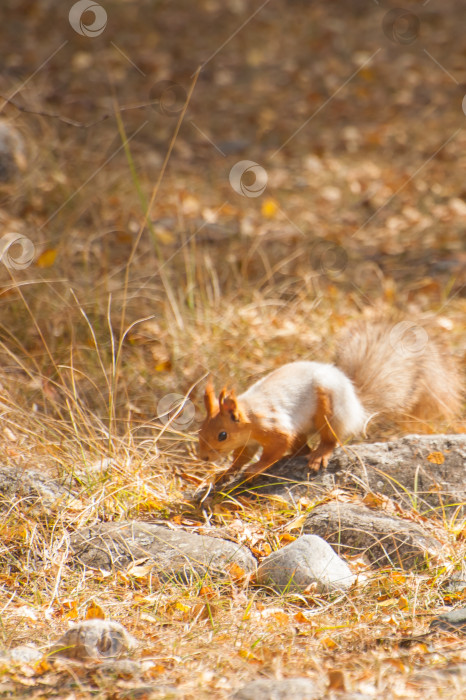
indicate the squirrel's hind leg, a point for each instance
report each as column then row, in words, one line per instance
column 300, row 446
column 323, row 413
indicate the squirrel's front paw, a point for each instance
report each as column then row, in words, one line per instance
column 318, row 459
column 317, row 463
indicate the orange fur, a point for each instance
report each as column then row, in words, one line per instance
column 389, row 380
column 320, row 456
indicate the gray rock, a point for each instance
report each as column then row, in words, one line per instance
column 454, row 584
column 174, row 553
column 452, row 621
column 307, row 560
column 94, row 639
column 289, row 689
column 25, row 654
column 400, row 469
column 385, row 540
column 37, row 491
column 123, row 667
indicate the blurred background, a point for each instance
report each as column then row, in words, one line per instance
column 219, row 185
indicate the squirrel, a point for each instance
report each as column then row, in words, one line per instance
column 377, row 372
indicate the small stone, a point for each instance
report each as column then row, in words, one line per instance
column 122, row 668
column 25, row 654
column 94, row 639
column 453, row 621
column 306, row 561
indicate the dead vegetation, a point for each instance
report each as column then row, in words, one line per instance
column 149, row 270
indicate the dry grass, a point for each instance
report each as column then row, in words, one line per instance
column 141, row 301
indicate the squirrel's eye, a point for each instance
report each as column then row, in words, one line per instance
column 222, row 436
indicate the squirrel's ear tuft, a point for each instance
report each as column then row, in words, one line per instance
column 228, row 404
column 210, row 400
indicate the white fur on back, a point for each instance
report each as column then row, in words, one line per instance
column 286, row 399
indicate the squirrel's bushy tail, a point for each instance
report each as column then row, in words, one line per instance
column 400, row 370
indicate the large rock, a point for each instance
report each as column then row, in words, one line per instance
column 424, row 471
column 383, row 539
column 307, row 560
column 172, row 552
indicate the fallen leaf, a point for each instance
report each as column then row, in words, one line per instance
column 269, row 209
column 94, row 612
column 336, row 679
column 436, row 458
column 47, row 258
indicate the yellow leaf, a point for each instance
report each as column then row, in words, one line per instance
column 47, row 258
column 286, row 537
column 300, row 617
column 296, row 523
column 164, row 366
column 436, row 458
column 269, row 208
column 207, row 591
column 182, row 607
column 94, row 612
column 69, row 609
column 281, row 617
column 42, row 666
column 236, row 572
column 164, row 235
column 328, row 643
column 372, row 500
column 387, row 603
column 246, row 654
